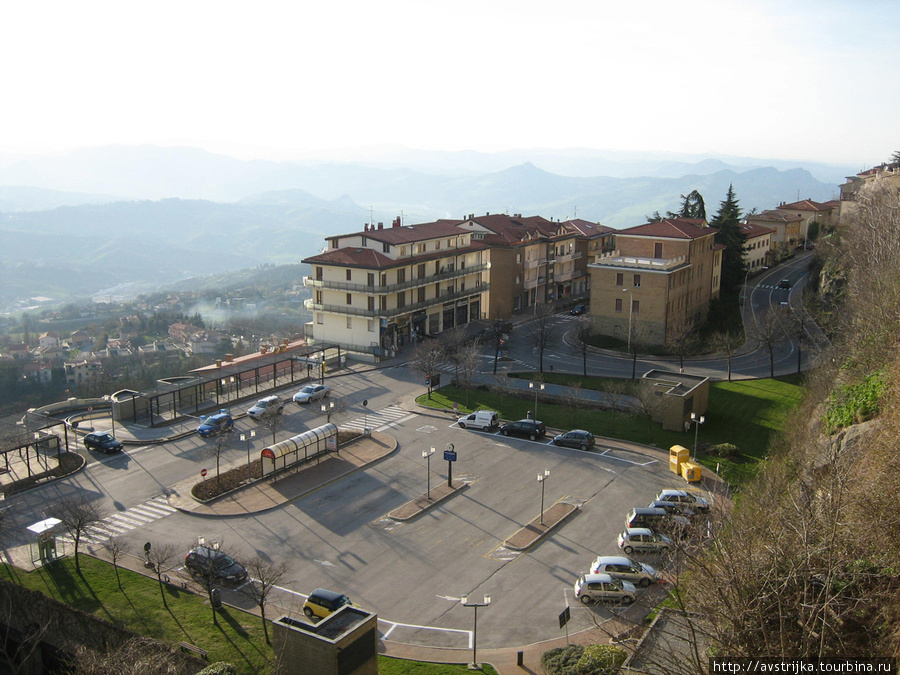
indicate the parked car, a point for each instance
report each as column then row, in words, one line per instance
column 216, row 424
column 620, row 567
column 321, row 603
column 480, row 419
column 643, row 540
column 603, row 587
column 785, row 284
column 532, row 429
column 577, row 438
column 102, row 441
column 685, row 500
column 206, row 561
column 578, row 310
column 264, row 407
column 671, row 508
column 311, row 392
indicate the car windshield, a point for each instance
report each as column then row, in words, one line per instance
column 224, row 561
column 307, row 390
column 262, row 404
column 104, row 438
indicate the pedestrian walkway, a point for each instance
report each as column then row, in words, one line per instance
column 379, row 420
column 125, row 521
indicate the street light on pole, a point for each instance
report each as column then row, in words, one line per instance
column 427, row 455
column 328, row 409
column 630, row 314
column 537, row 386
column 541, row 478
column 464, row 601
column 697, row 420
column 249, row 436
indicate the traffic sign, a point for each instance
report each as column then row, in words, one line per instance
column 564, row 617
column 203, row 472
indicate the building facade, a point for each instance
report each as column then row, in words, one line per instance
column 658, row 283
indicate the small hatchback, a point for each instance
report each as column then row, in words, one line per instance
column 577, row 438
column 215, row 424
column 321, row 603
column 102, row 441
column 603, row 587
column 685, row 500
column 265, row 407
column 620, row 567
column 532, row 429
column 207, row 562
column 643, row 540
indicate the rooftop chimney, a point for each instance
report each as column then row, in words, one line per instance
column 380, row 226
column 397, row 221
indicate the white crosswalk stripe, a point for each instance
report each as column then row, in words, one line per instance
column 379, row 420
column 125, row 521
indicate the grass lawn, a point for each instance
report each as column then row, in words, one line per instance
column 138, row 606
column 746, row 413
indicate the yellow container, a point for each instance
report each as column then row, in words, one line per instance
column 692, row 472
column 678, row 455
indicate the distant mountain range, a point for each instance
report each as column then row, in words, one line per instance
column 147, row 216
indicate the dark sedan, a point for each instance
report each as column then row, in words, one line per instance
column 532, row 429
column 577, row 438
column 102, row 441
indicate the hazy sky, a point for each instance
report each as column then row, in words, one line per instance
column 781, row 79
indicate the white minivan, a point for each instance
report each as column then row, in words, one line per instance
column 480, row 419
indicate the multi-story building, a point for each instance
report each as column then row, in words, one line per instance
column 375, row 290
column 886, row 174
column 658, row 282
column 757, row 246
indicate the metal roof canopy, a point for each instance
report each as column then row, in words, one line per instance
column 295, row 443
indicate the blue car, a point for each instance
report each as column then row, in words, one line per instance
column 215, row 424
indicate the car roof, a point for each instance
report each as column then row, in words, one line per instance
column 600, row 577
column 325, row 594
column 612, row 560
column 680, row 493
column 637, row 530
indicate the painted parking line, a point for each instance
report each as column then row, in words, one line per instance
column 606, row 453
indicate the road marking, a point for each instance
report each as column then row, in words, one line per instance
column 606, row 452
column 119, row 523
column 324, row 563
column 379, row 419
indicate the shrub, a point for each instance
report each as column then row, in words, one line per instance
column 723, row 450
column 220, row 668
column 601, row 660
column 562, row 660
column 855, row 403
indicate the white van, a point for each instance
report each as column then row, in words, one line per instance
column 480, row 419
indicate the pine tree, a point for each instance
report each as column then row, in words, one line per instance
column 728, row 223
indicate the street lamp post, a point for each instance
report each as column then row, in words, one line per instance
column 249, row 436
column 697, row 420
column 630, row 314
column 537, row 387
column 427, row 455
column 464, row 600
column 541, row 478
column 328, row 409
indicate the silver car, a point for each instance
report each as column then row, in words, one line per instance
column 685, row 500
column 311, row 392
column 620, row 567
column 643, row 540
column 603, row 587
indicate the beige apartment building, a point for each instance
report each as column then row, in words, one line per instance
column 757, row 246
column 377, row 290
column 658, row 282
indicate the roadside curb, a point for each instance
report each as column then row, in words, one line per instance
column 421, row 504
column 535, row 531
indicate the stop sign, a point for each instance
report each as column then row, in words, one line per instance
column 203, row 472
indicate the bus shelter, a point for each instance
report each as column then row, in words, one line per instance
column 299, row 449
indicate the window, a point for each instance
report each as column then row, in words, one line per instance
column 370, row 325
column 371, row 303
column 518, row 258
column 421, row 294
column 401, row 299
column 349, row 298
column 363, row 241
column 318, row 297
column 637, row 280
column 437, row 245
column 421, row 272
column 349, row 275
column 318, row 274
column 370, row 279
column 657, row 250
column 636, row 306
column 383, row 279
column 383, row 303
column 349, row 323
column 402, row 250
column 420, row 248
column 620, row 279
column 385, row 247
column 320, row 318
column 618, row 304
column 401, row 276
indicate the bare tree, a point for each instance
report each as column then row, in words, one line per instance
column 583, row 333
column 116, row 547
column 543, row 331
column 159, row 556
column 613, row 396
column 468, row 357
column 216, row 449
column 266, row 575
column 768, row 331
column 648, row 403
column 138, row 656
column 428, row 357
column 501, row 384
column 728, row 343
column 455, row 344
column 575, row 399
column 208, row 576
column 638, row 341
column 682, row 338
column 272, row 423
column 78, row 514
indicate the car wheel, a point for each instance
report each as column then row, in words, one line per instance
column 309, row 613
column 627, row 600
column 461, row 425
column 664, row 549
column 504, row 432
column 628, row 549
column 586, row 599
column 584, row 446
column 532, row 437
column 644, row 582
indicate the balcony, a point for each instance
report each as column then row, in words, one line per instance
column 567, row 257
column 348, row 286
column 396, row 311
column 531, row 264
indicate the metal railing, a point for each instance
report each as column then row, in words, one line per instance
column 457, row 272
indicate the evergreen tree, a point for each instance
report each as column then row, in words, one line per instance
column 692, row 206
column 728, row 223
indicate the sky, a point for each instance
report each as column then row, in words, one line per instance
column 787, row 79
